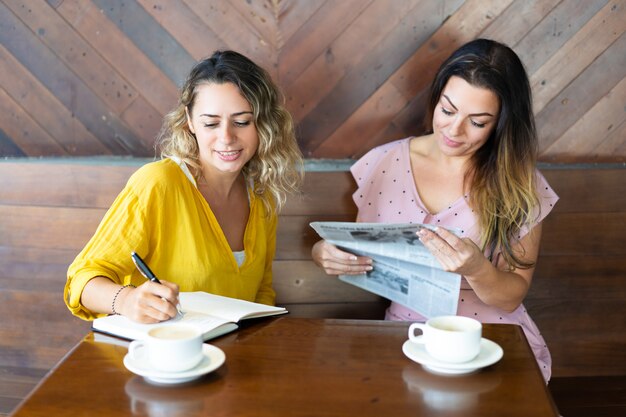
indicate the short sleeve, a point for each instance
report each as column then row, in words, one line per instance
column 547, row 199
column 365, row 168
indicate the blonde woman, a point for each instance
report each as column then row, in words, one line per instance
column 204, row 216
column 475, row 172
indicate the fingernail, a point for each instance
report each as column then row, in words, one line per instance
column 353, row 258
column 369, row 268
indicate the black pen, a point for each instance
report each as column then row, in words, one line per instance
column 147, row 272
column 143, row 268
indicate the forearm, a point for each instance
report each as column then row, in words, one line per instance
column 99, row 294
column 498, row 288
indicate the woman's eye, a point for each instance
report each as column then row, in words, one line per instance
column 242, row 123
column 446, row 112
column 479, row 125
column 211, row 125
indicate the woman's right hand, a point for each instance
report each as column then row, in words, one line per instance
column 334, row 261
column 149, row 303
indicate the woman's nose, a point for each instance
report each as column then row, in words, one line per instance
column 227, row 135
column 456, row 127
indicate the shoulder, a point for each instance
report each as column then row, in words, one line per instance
column 156, row 177
column 380, row 155
column 387, row 148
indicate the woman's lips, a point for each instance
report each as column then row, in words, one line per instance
column 451, row 143
column 228, row 155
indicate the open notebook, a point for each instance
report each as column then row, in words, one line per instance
column 213, row 315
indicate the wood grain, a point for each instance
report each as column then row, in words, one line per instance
column 47, row 111
column 355, row 73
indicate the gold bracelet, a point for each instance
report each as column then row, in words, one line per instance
column 115, row 297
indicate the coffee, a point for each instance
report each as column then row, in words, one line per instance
column 170, row 348
column 172, row 332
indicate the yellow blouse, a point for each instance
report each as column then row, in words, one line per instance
column 162, row 216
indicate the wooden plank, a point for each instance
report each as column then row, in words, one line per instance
column 464, row 25
column 574, row 56
column 115, row 47
column 65, row 85
column 350, row 107
column 348, row 139
column 152, row 39
column 50, row 114
column 10, row 255
column 585, row 336
column 236, row 32
column 517, row 20
column 34, row 269
column 295, row 238
column 320, row 78
column 8, row 148
column 77, row 54
column 568, row 234
column 413, row 78
column 95, row 184
column 604, row 189
column 324, row 193
column 24, row 226
column 30, row 227
column 613, row 148
column 559, row 25
column 582, row 138
column 22, row 334
column 577, row 277
column 581, row 94
column 408, row 122
column 303, row 282
column 72, row 185
column 312, row 40
column 145, row 121
column 24, row 131
column 16, row 382
column 262, row 17
column 198, row 39
column 293, row 14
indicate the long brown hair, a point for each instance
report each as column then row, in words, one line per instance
column 276, row 168
column 501, row 177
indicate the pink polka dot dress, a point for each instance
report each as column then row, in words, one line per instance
column 386, row 193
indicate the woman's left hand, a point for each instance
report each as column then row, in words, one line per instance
column 459, row 255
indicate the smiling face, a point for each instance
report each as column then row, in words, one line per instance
column 464, row 117
column 223, row 123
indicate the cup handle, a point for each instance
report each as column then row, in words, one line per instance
column 412, row 336
column 134, row 346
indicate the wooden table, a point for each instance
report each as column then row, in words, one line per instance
column 300, row 367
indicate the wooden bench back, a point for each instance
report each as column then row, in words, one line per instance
column 48, row 211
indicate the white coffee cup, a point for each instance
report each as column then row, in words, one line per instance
column 451, row 339
column 170, row 348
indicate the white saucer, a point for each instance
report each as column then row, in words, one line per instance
column 214, row 357
column 490, row 353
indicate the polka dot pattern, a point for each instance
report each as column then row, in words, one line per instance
column 387, row 193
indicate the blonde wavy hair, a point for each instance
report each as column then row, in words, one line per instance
column 276, row 169
column 501, row 179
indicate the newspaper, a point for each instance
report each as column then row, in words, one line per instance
column 404, row 270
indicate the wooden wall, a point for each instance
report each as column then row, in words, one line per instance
column 94, row 77
column 577, row 297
